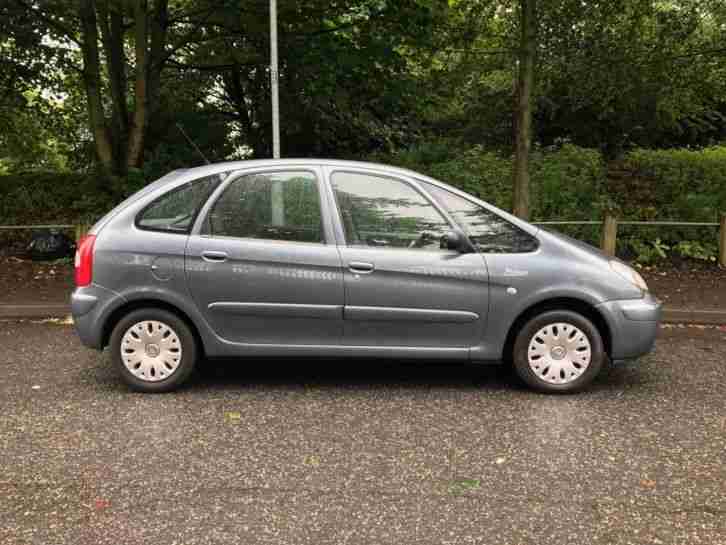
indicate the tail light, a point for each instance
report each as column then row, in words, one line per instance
column 84, row 260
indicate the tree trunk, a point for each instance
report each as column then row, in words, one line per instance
column 112, row 37
column 159, row 23
column 523, row 113
column 92, row 83
column 138, row 128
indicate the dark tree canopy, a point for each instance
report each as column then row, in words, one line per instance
column 104, row 82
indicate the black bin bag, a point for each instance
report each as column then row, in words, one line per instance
column 49, row 244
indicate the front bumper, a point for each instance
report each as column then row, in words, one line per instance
column 633, row 325
column 90, row 306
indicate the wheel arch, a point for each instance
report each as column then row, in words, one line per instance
column 559, row 303
column 136, row 304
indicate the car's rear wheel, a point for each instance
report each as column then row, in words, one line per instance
column 558, row 351
column 154, row 350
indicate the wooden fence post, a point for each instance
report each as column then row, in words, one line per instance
column 81, row 230
column 722, row 241
column 609, row 234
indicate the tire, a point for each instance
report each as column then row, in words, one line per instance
column 558, row 352
column 153, row 349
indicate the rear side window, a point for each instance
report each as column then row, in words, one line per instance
column 271, row 205
column 490, row 233
column 176, row 210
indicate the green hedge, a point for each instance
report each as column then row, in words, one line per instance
column 687, row 185
column 567, row 182
column 60, row 197
column 679, row 185
column 572, row 183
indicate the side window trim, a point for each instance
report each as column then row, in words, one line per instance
column 408, row 181
column 202, row 216
column 456, row 222
column 332, row 203
column 197, row 213
column 315, row 170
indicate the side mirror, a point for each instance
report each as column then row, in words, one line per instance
column 455, row 240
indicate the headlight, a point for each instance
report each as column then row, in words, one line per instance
column 630, row 274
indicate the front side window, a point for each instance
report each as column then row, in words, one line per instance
column 272, row 205
column 388, row 213
column 489, row 232
column 176, row 210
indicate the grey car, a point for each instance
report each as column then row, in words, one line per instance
column 328, row 258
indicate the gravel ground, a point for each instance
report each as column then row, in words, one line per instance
column 360, row 452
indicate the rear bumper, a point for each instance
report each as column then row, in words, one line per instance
column 633, row 325
column 90, row 306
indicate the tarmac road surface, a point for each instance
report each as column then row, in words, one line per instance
column 353, row 451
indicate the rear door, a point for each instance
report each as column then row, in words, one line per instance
column 401, row 288
column 262, row 264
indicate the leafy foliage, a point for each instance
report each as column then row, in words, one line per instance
column 679, row 185
column 572, row 183
column 566, row 180
column 358, row 76
column 630, row 100
column 64, row 197
column 693, row 249
column 688, row 185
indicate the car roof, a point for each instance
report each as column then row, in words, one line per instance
column 223, row 166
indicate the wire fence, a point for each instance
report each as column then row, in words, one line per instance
column 625, row 222
column 608, row 239
column 31, row 227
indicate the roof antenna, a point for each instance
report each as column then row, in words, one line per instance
column 192, row 143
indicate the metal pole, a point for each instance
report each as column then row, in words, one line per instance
column 277, row 195
column 274, row 81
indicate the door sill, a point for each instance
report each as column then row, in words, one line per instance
column 229, row 348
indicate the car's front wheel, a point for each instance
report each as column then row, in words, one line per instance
column 558, row 351
column 154, row 350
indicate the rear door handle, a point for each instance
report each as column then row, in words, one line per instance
column 361, row 267
column 214, row 257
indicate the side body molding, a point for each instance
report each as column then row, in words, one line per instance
column 285, row 310
column 391, row 314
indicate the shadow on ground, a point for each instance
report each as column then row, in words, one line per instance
column 372, row 374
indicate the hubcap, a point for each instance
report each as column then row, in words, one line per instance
column 559, row 353
column 151, row 350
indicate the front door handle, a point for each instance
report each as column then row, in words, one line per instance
column 214, row 257
column 361, row 267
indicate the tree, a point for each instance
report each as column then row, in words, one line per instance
column 362, row 76
column 346, row 87
column 523, row 108
column 27, row 140
column 610, row 75
column 33, row 124
column 120, row 141
column 122, row 90
column 619, row 74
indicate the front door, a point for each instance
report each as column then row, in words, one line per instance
column 261, row 268
column 401, row 288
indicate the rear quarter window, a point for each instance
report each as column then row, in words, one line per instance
column 175, row 211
